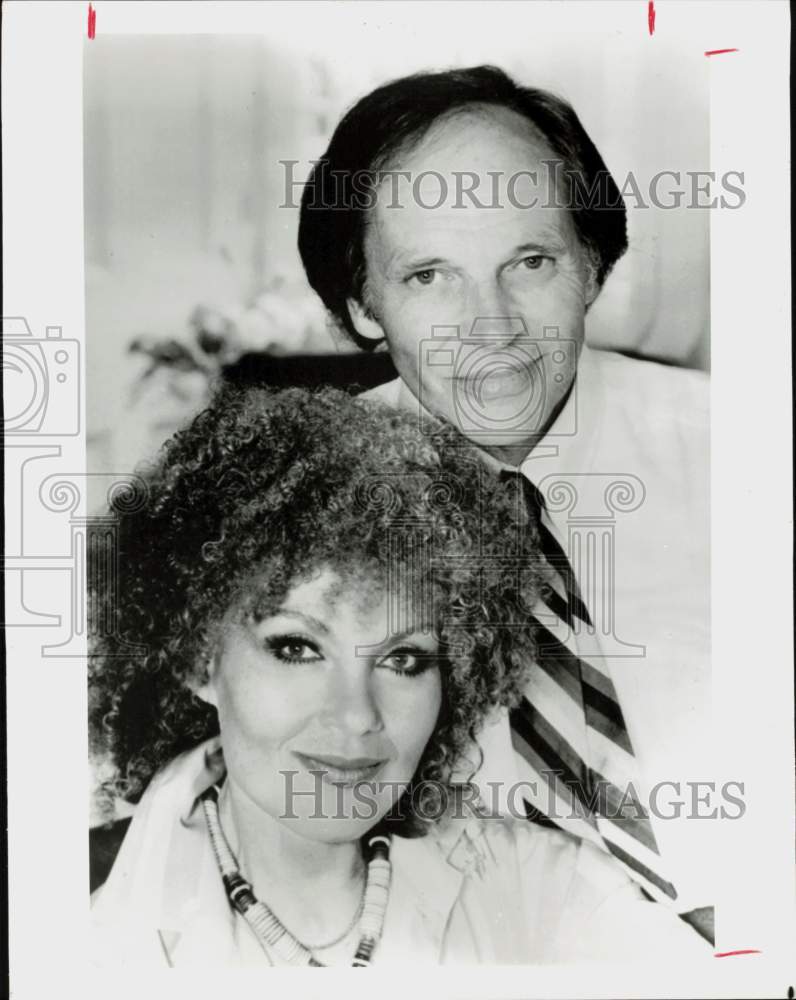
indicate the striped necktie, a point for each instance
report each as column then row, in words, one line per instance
column 569, row 734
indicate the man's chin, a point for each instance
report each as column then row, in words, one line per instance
column 504, row 433
column 488, row 427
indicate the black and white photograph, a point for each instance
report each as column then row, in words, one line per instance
column 401, row 504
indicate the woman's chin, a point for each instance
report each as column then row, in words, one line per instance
column 335, row 813
column 331, row 830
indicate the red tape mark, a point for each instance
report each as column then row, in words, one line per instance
column 719, row 52
column 651, row 17
column 92, row 21
column 743, row 951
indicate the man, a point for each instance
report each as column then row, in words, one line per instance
column 469, row 224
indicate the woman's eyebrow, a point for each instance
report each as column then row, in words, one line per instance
column 309, row 620
column 391, row 640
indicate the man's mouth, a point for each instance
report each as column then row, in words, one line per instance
column 499, row 382
column 342, row 770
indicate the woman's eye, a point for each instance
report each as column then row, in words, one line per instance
column 293, row 649
column 406, row 661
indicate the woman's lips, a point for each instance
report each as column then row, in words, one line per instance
column 342, row 770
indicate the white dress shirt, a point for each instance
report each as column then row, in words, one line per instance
column 631, row 446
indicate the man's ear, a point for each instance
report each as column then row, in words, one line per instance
column 593, row 286
column 365, row 323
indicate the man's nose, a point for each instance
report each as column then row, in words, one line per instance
column 351, row 703
column 493, row 316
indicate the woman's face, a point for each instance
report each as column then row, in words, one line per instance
column 324, row 714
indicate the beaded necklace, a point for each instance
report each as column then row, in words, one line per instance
column 267, row 927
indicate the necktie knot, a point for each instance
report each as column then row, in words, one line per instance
column 534, row 501
column 573, row 606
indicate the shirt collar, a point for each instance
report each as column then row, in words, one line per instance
column 569, row 445
column 196, row 925
column 424, row 888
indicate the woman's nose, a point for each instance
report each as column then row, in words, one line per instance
column 351, row 703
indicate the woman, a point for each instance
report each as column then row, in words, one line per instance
column 327, row 602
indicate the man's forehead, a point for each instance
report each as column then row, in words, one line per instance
column 472, row 173
column 409, row 244
column 408, row 232
column 472, row 138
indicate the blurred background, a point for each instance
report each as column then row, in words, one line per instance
column 191, row 264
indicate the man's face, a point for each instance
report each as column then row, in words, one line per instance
column 482, row 307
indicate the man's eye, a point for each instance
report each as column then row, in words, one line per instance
column 426, row 276
column 534, row 262
column 293, row 649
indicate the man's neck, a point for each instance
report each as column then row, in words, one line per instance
column 514, row 453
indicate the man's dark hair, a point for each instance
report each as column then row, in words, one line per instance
column 397, row 115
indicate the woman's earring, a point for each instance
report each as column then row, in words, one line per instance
column 207, row 691
column 207, row 694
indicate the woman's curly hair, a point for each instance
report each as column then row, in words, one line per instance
column 275, row 485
